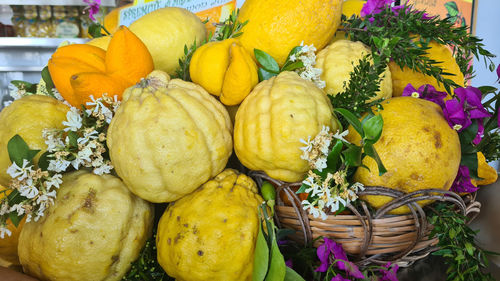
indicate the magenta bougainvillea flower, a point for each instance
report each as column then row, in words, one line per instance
column 426, row 92
column 462, row 182
column 289, row 263
column 498, row 73
column 374, row 7
column 389, row 274
column 93, row 7
column 330, row 248
column 339, row 277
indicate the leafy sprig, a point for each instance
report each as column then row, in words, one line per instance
column 466, row 261
column 414, row 30
column 268, row 66
column 182, row 72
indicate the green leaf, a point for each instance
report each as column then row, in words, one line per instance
column 95, row 30
column 353, row 156
column 43, row 162
column 18, row 150
column 29, row 87
column 470, row 160
column 452, row 233
column 266, row 61
column 470, row 249
column 302, row 188
column 333, row 157
column 468, row 134
column 373, row 128
column 291, row 275
column 49, row 85
column 264, row 74
column 261, row 257
column 14, row 197
column 73, row 139
column 370, row 151
column 352, row 119
column 291, row 66
column 15, row 218
column 277, row 267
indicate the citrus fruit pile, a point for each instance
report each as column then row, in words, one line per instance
column 183, row 104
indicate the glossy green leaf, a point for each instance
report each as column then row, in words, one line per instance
column 264, row 74
column 43, row 162
column 370, row 151
column 266, row 61
column 291, row 66
column 302, row 188
column 470, row 160
column 18, row 150
column 469, row 133
column 49, row 85
column 291, row 275
column 15, row 219
column 353, row 156
column 373, row 128
column 277, row 266
column 261, row 257
column 29, row 87
column 352, row 119
column 73, row 139
column 333, row 157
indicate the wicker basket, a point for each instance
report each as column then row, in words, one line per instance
column 372, row 237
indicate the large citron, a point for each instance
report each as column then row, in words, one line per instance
column 211, row 233
column 417, row 147
column 165, row 32
column 276, row 26
column 94, row 231
column 271, row 121
column 28, row 117
column 168, row 137
column 440, row 53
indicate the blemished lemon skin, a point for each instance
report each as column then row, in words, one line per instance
column 94, row 231
column 28, row 117
column 339, row 59
column 211, row 233
column 272, row 120
column 276, row 26
column 417, row 147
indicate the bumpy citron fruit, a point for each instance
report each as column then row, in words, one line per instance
column 211, row 233
column 165, row 32
column 271, row 121
column 224, row 69
column 28, row 117
column 94, row 231
column 415, row 140
column 437, row 52
column 337, row 62
column 488, row 174
column 168, row 138
column 276, row 26
column 8, row 244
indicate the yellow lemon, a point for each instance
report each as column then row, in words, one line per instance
column 101, row 42
column 417, row 147
column 276, row 26
column 488, row 174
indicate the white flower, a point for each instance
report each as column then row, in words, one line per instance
column 19, row 172
column 15, row 92
column 293, row 58
column 334, row 203
column 320, row 163
column 4, row 230
column 88, row 136
column 57, row 95
column 74, row 120
column 54, row 181
column 58, row 165
column 18, row 208
column 52, row 139
column 4, row 208
column 28, row 190
column 306, row 149
column 103, row 169
column 316, row 212
column 340, row 136
column 28, row 217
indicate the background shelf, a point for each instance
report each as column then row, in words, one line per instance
column 106, row 3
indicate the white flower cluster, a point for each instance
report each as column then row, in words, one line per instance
column 36, row 186
column 309, row 72
column 330, row 193
column 90, row 141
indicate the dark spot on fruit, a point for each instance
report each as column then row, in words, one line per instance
column 169, row 241
column 89, row 202
column 185, row 225
column 178, row 218
column 382, row 139
column 427, row 160
column 41, row 234
column 415, row 177
column 177, row 238
column 115, row 258
column 219, row 186
column 437, row 139
column 91, row 242
column 225, row 220
column 291, row 116
column 195, row 230
column 200, row 253
column 66, row 197
column 74, row 231
column 426, row 129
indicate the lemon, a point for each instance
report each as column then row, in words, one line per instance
column 417, row 147
column 437, row 52
column 28, row 117
column 211, row 233
column 276, row 26
column 339, row 59
column 8, row 244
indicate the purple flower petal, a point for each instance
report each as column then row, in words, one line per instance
column 338, row 252
column 289, row 263
column 409, row 90
column 455, row 115
column 390, row 273
column 498, row 74
column 323, row 252
column 93, row 7
column 339, row 277
column 480, row 132
column 472, row 97
column 374, row 7
column 462, row 182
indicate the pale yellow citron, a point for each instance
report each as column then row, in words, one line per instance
column 437, row 52
column 197, row 243
column 8, row 244
column 28, row 117
column 224, row 69
column 488, row 174
column 272, row 120
column 276, row 26
column 349, row 8
column 112, row 19
column 338, row 60
column 94, row 230
column 165, row 32
column 101, row 42
column 417, row 147
column 168, row 138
